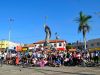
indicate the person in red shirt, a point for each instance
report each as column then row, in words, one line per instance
column 17, row 59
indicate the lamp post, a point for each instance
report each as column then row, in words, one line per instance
column 9, row 34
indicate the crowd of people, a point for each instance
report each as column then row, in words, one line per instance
column 46, row 57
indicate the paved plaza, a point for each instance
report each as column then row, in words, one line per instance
column 15, row 70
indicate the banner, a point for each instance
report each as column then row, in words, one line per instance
column 18, row 48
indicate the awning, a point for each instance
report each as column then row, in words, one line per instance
column 72, row 50
column 94, row 49
column 62, row 49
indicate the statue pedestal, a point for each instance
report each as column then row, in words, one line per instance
column 47, row 45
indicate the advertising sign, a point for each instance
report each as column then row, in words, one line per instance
column 18, row 48
column 24, row 48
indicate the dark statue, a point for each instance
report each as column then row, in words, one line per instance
column 48, row 35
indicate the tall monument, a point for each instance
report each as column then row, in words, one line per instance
column 48, row 35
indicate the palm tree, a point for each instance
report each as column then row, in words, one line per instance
column 83, row 25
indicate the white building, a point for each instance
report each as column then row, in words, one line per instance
column 57, row 44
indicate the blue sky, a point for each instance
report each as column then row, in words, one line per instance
column 28, row 16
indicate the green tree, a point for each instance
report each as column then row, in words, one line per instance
column 83, row 25
column 69, row 46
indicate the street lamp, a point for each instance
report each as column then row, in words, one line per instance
column 9, row 34
column 57, row 36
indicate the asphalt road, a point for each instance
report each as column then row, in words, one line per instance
column 15, row 70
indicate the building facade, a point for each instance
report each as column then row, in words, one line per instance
column 78, row 45
column 57, row 44
column 93, row 45
column 4, row 44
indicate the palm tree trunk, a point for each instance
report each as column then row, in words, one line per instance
column 84, row 38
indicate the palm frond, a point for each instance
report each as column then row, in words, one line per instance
column 77, row 20
column 81, row 15
column 79, row 29
column 83, row 23
column 87, row 18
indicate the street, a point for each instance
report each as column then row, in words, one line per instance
column 15, row 70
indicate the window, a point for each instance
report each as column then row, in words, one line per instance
column 40, row 45
column 98, row 43
column 60, row 44
column 92, row 44
column 55, row 45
